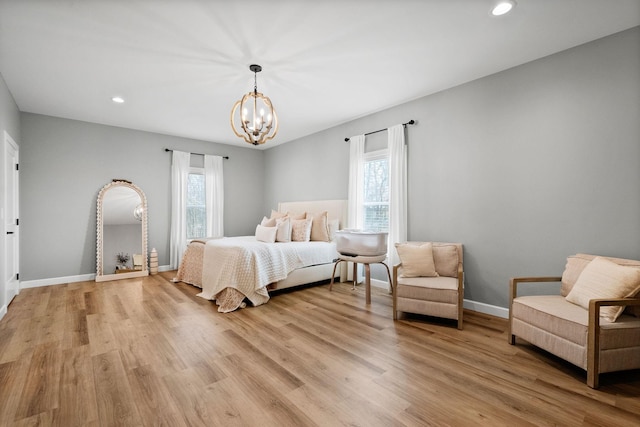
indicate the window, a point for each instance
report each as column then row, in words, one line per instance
column 376, row 191
column 196, row 207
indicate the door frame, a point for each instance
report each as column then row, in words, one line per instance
column 7, row 292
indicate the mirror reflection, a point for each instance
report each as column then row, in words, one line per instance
column 121, row 243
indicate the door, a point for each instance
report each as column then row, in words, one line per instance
column 10, row 219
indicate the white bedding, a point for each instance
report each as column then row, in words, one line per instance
column 248, row 266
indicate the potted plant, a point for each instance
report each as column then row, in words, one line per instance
column 122, row 260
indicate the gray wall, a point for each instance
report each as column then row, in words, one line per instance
column 64, row 163
column 10, row 122
column 524, row 167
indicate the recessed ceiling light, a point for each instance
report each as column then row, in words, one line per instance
column 503, row 7
column 118, row 99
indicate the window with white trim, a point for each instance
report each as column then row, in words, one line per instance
column 376, row 191
column 196, row 206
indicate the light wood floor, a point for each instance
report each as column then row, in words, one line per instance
column 149, row 352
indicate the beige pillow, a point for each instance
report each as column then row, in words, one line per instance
column 283, row 227
column 302, row 215
column 445, row 258
column 276, row 214
column 266, row 234
column 268, row 222
column 319, row 226
column 605, row 279
column 300, row 230
column 417, row 261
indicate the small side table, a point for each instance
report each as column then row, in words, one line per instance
column 366, row 260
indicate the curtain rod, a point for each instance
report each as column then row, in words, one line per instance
column 410, row 122
column 197, row 154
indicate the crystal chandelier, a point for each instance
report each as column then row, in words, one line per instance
column 257, row 121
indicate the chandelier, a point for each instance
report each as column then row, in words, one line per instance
column 257, row 122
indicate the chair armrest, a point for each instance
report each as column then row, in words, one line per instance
column 595, row 304
column 395, row 270
column 513, row 283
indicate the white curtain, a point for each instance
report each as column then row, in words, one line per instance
column 397, row 191
column 356, row 182
column 179, row 176
column 214, row 199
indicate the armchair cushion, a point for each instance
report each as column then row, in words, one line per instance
column 561, row 327
column 602, row 278
column 438, row 289
column 417, row 261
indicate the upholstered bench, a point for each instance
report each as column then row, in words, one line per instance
column 595, row 321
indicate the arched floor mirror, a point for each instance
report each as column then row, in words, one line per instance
column 121, row 228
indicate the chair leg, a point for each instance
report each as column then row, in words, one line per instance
column 355, row 275
column 333, row 275
column 389, row 276
column 367, row 283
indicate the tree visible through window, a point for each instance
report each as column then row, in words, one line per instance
column 376, row 192
column 196, row 207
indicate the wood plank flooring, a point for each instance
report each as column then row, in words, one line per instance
column 145, row 351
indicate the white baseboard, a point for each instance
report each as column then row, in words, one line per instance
column 56, row 281
column 69, row 279
column 480, row 307
column 3, row 311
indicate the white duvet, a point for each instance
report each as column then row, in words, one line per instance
column 248, row 266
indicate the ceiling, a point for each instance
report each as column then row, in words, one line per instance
column 180, row 65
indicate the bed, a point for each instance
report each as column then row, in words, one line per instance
column 232, row 270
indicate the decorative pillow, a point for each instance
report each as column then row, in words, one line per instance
column 605, row 279
column 283, row 226
column 319, row 226
column 268, row 222
column 445, row 258
column 334, row 225
column 302, row 215
column 417, row 261
column 300, row 230
column 266, row 234
column 276, row 214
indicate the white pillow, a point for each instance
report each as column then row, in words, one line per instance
column 266, row 234
column 283, row 227
column 334, row 225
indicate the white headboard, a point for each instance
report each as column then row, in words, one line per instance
column 336, row 209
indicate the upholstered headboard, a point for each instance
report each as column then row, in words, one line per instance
column 336, row 209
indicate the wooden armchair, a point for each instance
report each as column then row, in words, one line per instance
column 588, row 334
column 438, row 295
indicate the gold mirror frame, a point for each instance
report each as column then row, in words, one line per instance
column 100, row 276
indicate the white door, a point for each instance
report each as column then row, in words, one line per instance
column 10, row 219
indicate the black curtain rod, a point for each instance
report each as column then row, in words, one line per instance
column 197, row 154
column 410, row 122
